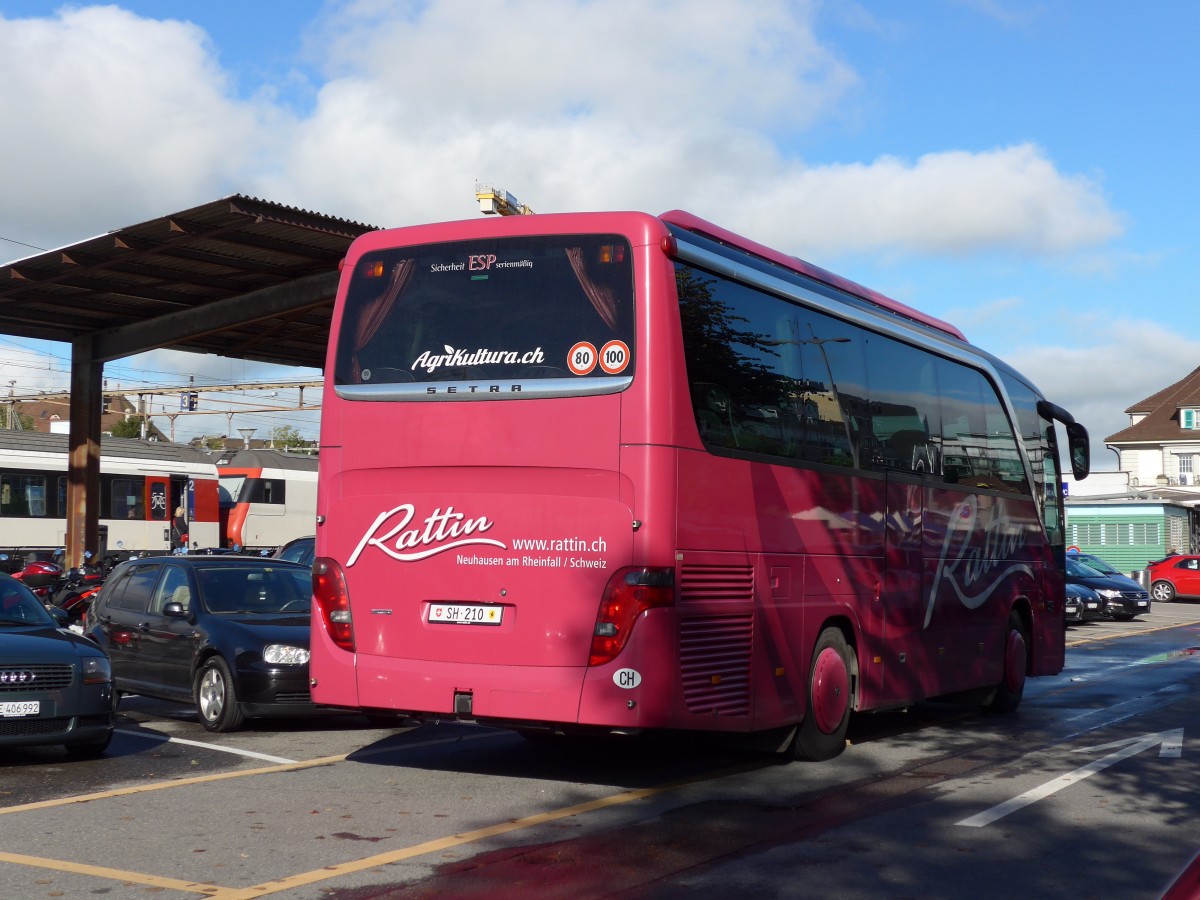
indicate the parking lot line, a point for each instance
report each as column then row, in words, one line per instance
column 165, row 785
column 1111, row 636
column 152, row 736
column 149, row 881
column 468, row 837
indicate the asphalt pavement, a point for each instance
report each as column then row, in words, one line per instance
column 1161, row 615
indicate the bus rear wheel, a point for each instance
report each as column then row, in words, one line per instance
column 822, row 734
column 1016, row 657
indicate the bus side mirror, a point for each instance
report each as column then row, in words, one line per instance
column 1080, row 450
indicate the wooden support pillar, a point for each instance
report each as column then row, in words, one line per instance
column 83, row 463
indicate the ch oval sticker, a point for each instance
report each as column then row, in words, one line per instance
column 627, row 678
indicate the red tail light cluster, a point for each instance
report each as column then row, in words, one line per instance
column 628, row 594
column 332, row 600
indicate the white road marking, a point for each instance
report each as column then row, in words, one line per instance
column 1172, row 747
column 251, row 754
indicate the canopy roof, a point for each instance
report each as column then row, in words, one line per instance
column 238, row 277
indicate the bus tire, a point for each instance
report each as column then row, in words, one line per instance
column 822, row 734
column 1007, row 696
column 216, row 696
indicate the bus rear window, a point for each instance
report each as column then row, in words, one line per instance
column 489, row 319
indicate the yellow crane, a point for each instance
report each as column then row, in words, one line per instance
column 495, row 202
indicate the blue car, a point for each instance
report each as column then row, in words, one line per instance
column 56, row 686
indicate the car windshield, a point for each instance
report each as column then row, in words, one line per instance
column 1080, row 570
column 260, row 590
column 1099, row 565
column 19, row 607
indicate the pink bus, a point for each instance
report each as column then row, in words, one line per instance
column 615, row 471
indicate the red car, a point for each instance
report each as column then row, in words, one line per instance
column 1175, row 576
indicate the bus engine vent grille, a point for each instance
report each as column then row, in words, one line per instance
column 714, row 658
column 716, row 584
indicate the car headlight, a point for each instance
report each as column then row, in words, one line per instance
column 96, row 670
column 1109, row 594
column 284, row 655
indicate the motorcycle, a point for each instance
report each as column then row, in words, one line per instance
column 78, row 588
column 41, row 576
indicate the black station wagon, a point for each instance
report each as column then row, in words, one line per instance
column 228, row 634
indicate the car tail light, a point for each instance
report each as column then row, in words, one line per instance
column 332, row 600
column 628, row 594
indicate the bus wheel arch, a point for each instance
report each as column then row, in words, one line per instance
column 1016, row 656
column 830, row 695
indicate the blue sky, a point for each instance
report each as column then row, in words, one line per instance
column 1021, row 168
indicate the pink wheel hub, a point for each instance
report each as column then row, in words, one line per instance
column 1015, row 656
column 830, row 690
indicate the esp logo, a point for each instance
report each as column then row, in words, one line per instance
column 480, row 262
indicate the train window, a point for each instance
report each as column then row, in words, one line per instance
column 273, row 490
column 261, row 490
column 22, row 495
column 127, row 500
column 230, row 489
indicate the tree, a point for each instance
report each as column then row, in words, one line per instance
column 286, row 436
column 130, row 427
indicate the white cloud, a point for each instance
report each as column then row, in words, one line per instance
column 569, row 105
column 623, row 104
column 116, row 116
column 1123, row 362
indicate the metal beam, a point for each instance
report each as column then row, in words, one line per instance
column 83, row 459
column 268, row 303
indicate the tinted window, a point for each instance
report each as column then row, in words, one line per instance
column 300, row 551
column 18, row 606
column 242, row 589
column 906, row 426
column 137, row 589
column 556, row 307
column 767, row 377
column 771, row 377
column 172, row 588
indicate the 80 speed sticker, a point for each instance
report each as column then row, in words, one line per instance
column 613, row 357
column 582, row 358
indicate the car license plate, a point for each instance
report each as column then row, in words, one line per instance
column 465, row 613
column 1143, row 603
column 16, row 708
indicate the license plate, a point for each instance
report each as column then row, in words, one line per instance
column 1143, row 603
column 465, row 614
column 16, row 708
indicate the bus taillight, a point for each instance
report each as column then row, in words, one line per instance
column 333, row 601
column 628, row 594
